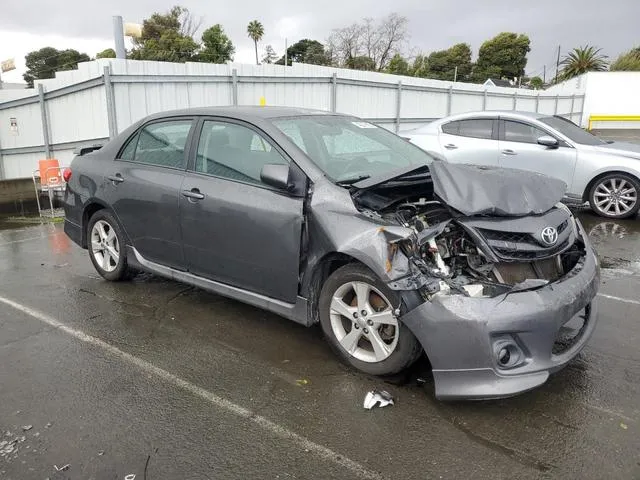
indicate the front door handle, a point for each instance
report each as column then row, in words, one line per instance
column 450, row 146
column 117, row 178
column 193, row 194
column 508, row 151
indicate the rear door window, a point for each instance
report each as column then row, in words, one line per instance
column 159, row 143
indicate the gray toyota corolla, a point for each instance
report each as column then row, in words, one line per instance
column 327, row 218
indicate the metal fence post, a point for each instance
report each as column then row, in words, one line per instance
column 484, row 100
column 555, row 110
column 573, row 101
column 111, row 103
column 334, row 92
column 538, row 102
column 234, row 86
column 515, row 100
column 449, row 99
column 45, row 121
column 398, row 105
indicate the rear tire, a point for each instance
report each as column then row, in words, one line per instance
column 107, row 247
column 615, row 196
column 357, row 315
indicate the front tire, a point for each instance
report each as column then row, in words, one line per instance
column 106, row 246
column 615, row 196
column 358, row 317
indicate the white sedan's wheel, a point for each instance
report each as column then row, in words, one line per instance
column 615, row 196
column 363, row 321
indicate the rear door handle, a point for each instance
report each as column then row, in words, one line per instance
column 193, row 194
column 450, row 146
column 508, row 151
column 117, row 178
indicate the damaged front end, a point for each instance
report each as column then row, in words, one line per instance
column 502, row 268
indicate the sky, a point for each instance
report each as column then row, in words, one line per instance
column 86, row 25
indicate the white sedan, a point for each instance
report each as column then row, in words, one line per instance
column 606, row 174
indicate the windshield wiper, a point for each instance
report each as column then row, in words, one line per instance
column 352, row 180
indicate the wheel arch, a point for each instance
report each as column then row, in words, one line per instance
column 90, row 208
column 320, row 271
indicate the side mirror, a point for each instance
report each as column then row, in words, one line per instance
column 548, row 141
column 275, row 175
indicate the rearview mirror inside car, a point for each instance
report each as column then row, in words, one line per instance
column 548, row 141
column 275, row 175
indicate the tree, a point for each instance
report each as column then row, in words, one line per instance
column 107, row 53
column 629, row 61
column 44, row 63
column 505, row 55
column 441, row 65
column 361, row 63
column 377, row 41
column 582, row 60
column 270, row 55
column 398, row 65
column 255, row 30
column 163, row 38
column 306, row 51
column 419, row 68
column 536, row 83
column 216, row 46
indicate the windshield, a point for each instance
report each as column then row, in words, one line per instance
column 349, row 150
column 572, row 131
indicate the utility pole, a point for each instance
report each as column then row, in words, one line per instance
column 544, row 74
column 455, row 74
column 286, row 48
column 118, row 37
column 557, row 65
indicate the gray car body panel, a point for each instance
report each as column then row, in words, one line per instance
column 322, row 224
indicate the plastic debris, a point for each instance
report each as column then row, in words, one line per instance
column 131, row 476
column 26, row 428
column 101, row 453
column 379, row 398
column 623, row 426
column 302, row 381
column 62, row 468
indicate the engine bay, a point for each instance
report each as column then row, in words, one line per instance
column 457, row 258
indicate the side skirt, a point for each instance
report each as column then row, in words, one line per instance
column 292, row 311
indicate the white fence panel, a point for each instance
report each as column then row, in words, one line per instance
column 547, row 105
column 29, row 121
column 526, row 104
column 63, row 113
column 564, row 106
column 366, row 101
column 466, row 102
column 21, row 165
column 499, row 102
column 417, row 104
column 306, row 95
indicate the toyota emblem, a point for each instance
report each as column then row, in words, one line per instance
column 549, row 236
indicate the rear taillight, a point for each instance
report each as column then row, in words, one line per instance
column 66, row 174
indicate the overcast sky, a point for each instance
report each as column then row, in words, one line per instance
column 86, row 25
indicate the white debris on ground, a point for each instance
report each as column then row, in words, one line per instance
column 380, row 398
column 9, row 445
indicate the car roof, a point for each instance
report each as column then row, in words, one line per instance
column 514, row 114
column 242, row 112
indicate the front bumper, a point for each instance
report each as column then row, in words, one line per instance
column 459, row 334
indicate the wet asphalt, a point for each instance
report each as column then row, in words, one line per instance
column 108, row 417
column 152, row 379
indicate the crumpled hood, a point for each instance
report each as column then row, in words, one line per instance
column 481, row 190
column 621, row 148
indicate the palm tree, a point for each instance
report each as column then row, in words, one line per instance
column 582, row 60
column 255, row 30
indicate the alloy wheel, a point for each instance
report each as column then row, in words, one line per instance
column 615, row 196
column 104, row 246
column 363, row 322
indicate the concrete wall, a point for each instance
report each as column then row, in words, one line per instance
column 17, row 197
column 103, row 97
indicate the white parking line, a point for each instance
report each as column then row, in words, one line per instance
column 619, row 299
column 301, row 442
